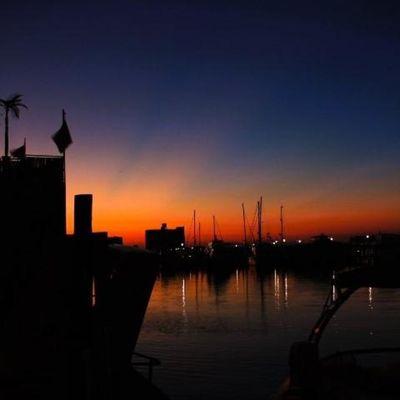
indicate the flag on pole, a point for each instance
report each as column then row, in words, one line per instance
column 19, row 152
column 62, row 138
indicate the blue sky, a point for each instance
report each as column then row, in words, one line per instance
column 244, row 97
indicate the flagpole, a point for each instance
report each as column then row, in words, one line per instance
column 62, row 139
column 65, row 194
column 65, row 182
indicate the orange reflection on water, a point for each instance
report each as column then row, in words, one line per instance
column 370, row 298
column 242, row 295
column 196, row 323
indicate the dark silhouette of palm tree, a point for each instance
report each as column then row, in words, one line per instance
column 12, row 104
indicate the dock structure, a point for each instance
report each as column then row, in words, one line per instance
column 375, row 250
column 72, row 306
column 165, row 239
column 33, row 199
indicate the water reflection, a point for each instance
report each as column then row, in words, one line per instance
column 334, row 296
column 184, row 314
column 237, row 281
column 370, row 298
column 219, row 334
column 277, row 289
column 218, row 280
column 286, row 290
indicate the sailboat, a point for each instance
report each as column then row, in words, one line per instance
column 195, row 255
column 264, row 251
column 225, row 254
column 361, row 373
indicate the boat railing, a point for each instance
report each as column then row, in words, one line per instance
column 355, row 352
column 30, row 161
column 149, row 362
column 331, row 306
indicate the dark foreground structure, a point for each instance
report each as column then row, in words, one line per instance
column 164, row 239
column 321, row 253
column 32, row 201
column 375, row 250
column 345, row 374
column 71, row 305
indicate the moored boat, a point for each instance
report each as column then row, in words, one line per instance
column 343, row 375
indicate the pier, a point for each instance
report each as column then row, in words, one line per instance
column 72, row 305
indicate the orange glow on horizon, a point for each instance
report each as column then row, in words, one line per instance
column 129, row 213
column 132, row 196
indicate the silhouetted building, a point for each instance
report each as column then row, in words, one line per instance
column 164, row 238
column 115, row 240
column 322, row 238
column 83, row 214
column 32, row 200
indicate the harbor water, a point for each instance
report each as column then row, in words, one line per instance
column 227, row 336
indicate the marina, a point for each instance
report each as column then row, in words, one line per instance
column 125, row 320
column 199, row 200
column 231, row 339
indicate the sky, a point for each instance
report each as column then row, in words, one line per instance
column 175, row 106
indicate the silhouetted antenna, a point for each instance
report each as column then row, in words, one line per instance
column 252, row 226
column 282, row 234
column 244, row 224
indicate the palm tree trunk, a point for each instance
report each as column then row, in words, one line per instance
column 6, row 140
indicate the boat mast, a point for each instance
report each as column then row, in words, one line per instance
column 258, row 220
column 259, row 217
column 282, row 234
column 244, row 224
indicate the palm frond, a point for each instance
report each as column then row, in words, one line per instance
column 14, row 98
column 13, row 103
column 15, row 111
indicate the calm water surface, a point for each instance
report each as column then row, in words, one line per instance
column 228, row 337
